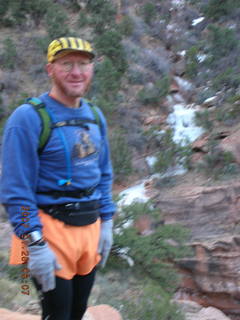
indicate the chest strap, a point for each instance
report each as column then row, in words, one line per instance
column 73, row 122
column 69, row 194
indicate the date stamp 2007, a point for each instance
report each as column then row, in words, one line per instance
column 25, row 272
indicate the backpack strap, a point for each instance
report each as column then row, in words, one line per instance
column 48, row 125
column 45, row 134
column 73, row 122
column 96, row 115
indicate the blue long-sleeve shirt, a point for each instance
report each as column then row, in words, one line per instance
column 25, row 172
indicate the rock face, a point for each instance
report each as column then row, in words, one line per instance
column 206, row 211
column 212, row 276
column 194, row 311
column 231, row 144
column 101, row 312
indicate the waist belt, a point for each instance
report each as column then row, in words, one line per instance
column 72, row 194
column 74, row 213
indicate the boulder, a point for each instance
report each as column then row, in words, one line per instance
column 194, row 311
column 11, row 315
column 210, row 313
column 102, row 312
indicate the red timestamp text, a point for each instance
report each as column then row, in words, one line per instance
column 25, row 273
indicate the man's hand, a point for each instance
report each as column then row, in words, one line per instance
column 106, row 240
column 42, row 264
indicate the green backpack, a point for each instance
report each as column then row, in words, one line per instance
column 48, row 125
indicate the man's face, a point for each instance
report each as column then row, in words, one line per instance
column 71, row 74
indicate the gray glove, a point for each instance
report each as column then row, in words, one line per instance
column 42, row 264
column 106, row 241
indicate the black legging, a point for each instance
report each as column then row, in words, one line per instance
column 68, row 301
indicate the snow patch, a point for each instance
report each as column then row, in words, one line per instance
column 151, row 160
column 182, row 122
column 201, row 57
column 182, row 53
column 123, row 253
column 178, row 3
column 135, row 193
column 210, row 100
column 177, row 170
column 183, row 83
column 197, row 21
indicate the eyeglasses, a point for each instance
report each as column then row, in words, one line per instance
column 67, row 66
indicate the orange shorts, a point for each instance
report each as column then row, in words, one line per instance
column 75, row 247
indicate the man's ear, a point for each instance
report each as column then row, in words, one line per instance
column 49, row 68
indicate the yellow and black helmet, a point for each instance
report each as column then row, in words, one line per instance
column 62, row 46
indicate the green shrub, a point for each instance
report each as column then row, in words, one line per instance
column 56, row 22
column 105, row 86
column 148, row 12
column 10, row 285
column 163, row 86
column 230, row 78
column 202, row 119
column 43, row 42
column 73, row 4
column 233, row 99
column 216, row 9
column 95, row 6
column 221, row 41
column 83, row 19
column 126, row 26
column 36, row 8
column 4, row 5
column 10, row 272
column 171, row 153
column 14, row 12
column 102, row 15
column 109, row 44
column 155, row 94
column 107, row 106
column 136, row 76
column 152, row 304
column 107, row 79
column 228, row 116
column 149, row 96
column 217, row 163
column 121, row 156
column 153, row 253
column 192, row 63
column 9, row 54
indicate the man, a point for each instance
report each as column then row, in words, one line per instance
column 59, row 200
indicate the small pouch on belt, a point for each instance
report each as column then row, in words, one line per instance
column 74, row 213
